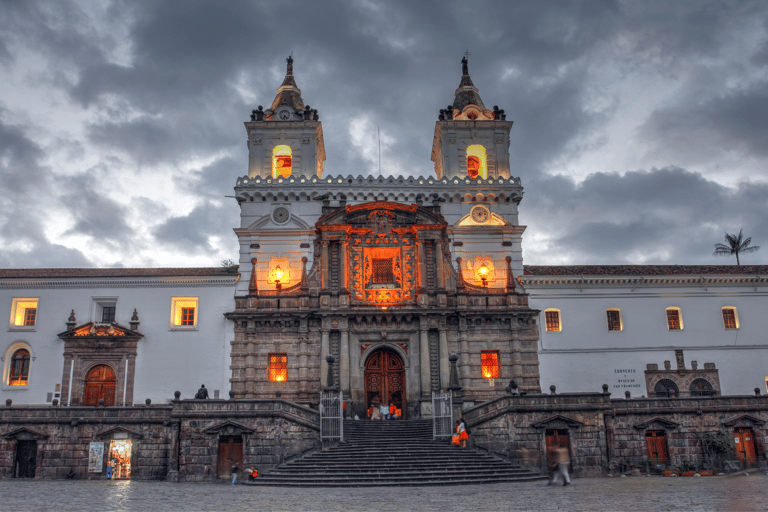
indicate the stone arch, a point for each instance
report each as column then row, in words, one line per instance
column 663, row 387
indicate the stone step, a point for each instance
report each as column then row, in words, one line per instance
column 292, row 482
column 382, row 453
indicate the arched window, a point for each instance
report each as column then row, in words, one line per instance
column 613, row 316
column 701, row 387
column 477, row 165
column 664, row 387
column 19, row 374
column 552, row 320
column 674, row 319
column 282, row 161
column 730, row 317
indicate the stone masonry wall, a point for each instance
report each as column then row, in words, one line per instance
column 515, row 428
column 272, row 431
column 63, row 436
column 687, row 417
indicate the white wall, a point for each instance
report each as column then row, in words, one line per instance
column 167, row 360
column 585, row 354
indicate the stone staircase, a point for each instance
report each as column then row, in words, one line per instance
column 393, row 453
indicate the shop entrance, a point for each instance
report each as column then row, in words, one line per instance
column 26, row 459
column 230, row 453
column 744, row 439
column 100, row 384
column 120, row 458
column 385, row 380
column 556, row 438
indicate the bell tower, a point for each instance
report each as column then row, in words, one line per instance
column 287, row 138
column 471, row 140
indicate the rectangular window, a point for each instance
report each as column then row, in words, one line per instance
column 187, row 316
column 382, row 271
column 108, row 314
column 614, row 319
column 183, row 311
column 490, row 364
column 278, row 367
column 673, row 320
column 553, row 321
column 729, row 318
column 23, row 313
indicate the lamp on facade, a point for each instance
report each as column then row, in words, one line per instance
column 278, row 276
column 483, row 272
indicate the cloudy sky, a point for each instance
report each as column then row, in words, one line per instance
column 641, row 128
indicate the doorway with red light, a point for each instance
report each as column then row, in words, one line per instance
column 385, row 379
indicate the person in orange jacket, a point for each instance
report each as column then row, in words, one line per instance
column 392, row 409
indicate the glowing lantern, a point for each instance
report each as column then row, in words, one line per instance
column 483, row 273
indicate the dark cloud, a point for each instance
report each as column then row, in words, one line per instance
column 192, row 233
column 167, row 85
column 95, row 214
column 732, row 122
column 26, row 192
column 662, row 216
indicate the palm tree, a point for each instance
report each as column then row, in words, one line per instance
column 734, row 245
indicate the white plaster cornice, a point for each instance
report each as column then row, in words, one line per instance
column 640, row 282
column 313, row 186
column 169, row 282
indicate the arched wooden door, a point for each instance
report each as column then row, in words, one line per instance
column 385, row 379
column 100, row 383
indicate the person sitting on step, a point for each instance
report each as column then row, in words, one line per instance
column 392, row 410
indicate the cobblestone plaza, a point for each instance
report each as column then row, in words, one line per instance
column 739, row 493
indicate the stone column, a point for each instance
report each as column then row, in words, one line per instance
column 464, row 359
column 325, row 349
column 344, row 364
column 325, row 277
column 343, row 266
column 439, row 264
column 445, row 365
column 250, row 368
column 517, row 359
column 66, row 377
column 303, row 363
column 426, row 380
column 422, row 264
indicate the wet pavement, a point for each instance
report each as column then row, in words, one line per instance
column 731, row 493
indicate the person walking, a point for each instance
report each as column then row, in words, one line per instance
column 235, row 469
column 463, row 434
column 563, row 460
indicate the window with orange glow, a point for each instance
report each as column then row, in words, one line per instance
column 24, row 313
column 477, row 164
column 382, row 271
column 19, row 374
column 278, row 367
column 490, row 364
column 184, row 312
column 614, row 319
column 730, row 318
column 674, row 319
column 552, row 319
column 282, row 161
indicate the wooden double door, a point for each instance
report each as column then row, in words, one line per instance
column 230, row 454
column 385, row 379
column 556, row 439
column 100, row 384
column 744, row 439
column 26, row 459
column 657, row 446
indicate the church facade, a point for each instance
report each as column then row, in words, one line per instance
column 385, row 279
